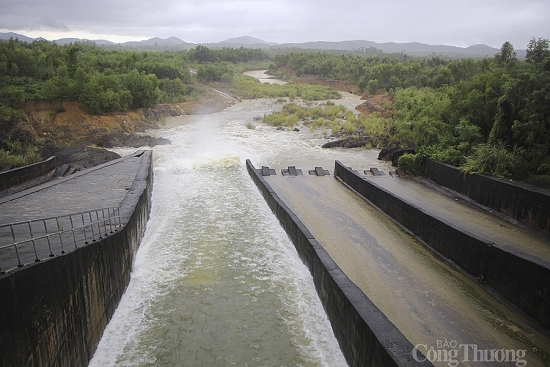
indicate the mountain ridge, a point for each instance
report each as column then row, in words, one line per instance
column 247, row 40
column 411, row 48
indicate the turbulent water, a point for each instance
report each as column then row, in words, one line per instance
column 216, row 280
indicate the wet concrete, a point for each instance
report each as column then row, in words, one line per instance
column 506, row 234
column 427, row 299
column 517, row 199
column 54, row 313
column 103, row 186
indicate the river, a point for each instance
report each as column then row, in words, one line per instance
column 216, row 281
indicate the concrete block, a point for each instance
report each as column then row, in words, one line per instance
column 266, row 171
column 319, row 171
column 60, row 171
column 291, row 171
column 375, row 171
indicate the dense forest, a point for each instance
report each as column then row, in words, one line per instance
column 105, row 80
column 490, row 115
column 102, row 81
column 487, row 115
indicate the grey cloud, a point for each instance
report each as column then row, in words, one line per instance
column 431, row 21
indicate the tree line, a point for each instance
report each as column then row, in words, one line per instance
column 490, row 115
column 485, row 115
column 104, row 80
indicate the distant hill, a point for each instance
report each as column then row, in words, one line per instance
column 410, row 48
column 66, row 41
column 245, row 41
column 7, row 36
column 159, row 42
column 62, row 41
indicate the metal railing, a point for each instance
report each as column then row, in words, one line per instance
column 34, row 240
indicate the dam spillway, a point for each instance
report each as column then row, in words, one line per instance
column 200, row 192
column 428, row 300
column 57, row 299
column 217, row 282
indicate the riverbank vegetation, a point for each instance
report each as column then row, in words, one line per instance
column 248, row 87
column 333, row 119
column 110, row 81
column 485, row 115
column 102, row 82
column 490, row 115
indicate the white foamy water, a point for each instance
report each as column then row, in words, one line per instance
column 216, row 280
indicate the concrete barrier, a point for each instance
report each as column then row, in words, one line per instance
column 18, row 176
column 520, row 201
column 364, row 333
column 523, row 280
column 53, row 313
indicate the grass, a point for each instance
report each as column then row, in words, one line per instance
column 29, row 156
column 249, row 87
column 12, row 152
column 331, row 117
column 493, row 159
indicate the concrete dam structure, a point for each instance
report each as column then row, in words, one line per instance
column 218, row 282
column 418, row 282
column 388, row 298
column 515, row 263
column 366, row 336
column 62, row 280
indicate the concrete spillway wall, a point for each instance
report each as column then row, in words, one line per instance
column 523, row 280
column 53, row 313
column 529, row 205
column 365, row 335
column 18, row 176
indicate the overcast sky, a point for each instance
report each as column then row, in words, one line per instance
column 458, row 23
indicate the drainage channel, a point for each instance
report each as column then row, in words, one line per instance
column 436, row 307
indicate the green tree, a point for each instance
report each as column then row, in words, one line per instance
column 173, row 90
column 537, row 50
column 143, row 88
column 373, row 86
column 507, row 54
column 72, row 59
column 50, row 90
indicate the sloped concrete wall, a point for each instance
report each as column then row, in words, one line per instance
column 54, row 313
column 524, row 281
column 517, row 200
column 365, row 335
column 20, row 175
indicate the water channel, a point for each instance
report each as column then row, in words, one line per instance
column 216, row 280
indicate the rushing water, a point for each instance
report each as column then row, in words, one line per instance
column 216, row 280
column 218, row 283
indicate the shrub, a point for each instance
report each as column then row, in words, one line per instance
column 492, row 159
column 411, row 163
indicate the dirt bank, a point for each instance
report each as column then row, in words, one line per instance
column 65, row 123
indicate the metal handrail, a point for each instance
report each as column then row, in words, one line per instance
column 89, row 226
column 59, row 216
